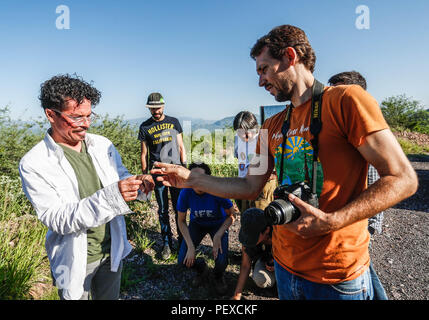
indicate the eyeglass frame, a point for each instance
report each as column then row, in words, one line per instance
column 77, row 120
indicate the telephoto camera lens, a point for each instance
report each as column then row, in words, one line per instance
column 280, row 212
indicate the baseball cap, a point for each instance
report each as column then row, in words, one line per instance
column 155, row 100
column 253, row 222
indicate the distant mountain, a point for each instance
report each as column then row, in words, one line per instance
column 196, row 123
column 213, row 125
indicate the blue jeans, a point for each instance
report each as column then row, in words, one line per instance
column 197, row 233
column 379, row 293
column 161, row 194
column 292, row 287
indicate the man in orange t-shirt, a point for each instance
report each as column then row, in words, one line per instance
column 349, row 114
column 324, row 253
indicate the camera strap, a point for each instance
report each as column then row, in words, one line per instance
column 315, row 128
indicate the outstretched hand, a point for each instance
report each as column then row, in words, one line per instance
column 172, row 175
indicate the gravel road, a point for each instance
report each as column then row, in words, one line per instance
column 400, row 254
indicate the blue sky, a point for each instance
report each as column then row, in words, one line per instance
column 196, row 53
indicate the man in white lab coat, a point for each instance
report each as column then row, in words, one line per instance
column 79, row 189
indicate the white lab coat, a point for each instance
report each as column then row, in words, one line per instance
column 49, row 182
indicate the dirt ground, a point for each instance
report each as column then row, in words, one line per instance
column 399, row 254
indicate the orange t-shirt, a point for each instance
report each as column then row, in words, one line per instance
column 348, row 115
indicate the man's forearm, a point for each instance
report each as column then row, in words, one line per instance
column 143, row 155
column 247, row 188
column 398, row 179
column 182, row 150
column 230, row 188
column 183, row 227
column 383, row 194
column 237, row 188
column 183, row 155
column 225, row 226
column 244, row 274
column 144, row 164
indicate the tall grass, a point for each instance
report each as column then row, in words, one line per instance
column 21, row 243
column 22, row 253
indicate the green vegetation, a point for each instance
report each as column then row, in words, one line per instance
column 15, row 140
column 124, row 137
column 411, row 148
column 403, row 113
column 22, row 252
column 21, row 243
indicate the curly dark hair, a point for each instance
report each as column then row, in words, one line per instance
column 56, row 90
column 348, row 77
column 282, row 37
column 201, row 165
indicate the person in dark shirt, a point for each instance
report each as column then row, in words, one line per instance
column 160, row 135
column 255, row 236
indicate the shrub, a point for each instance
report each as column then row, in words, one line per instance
column 413, row 148
column 403, row 113
column 124, row 137
column 16, row 138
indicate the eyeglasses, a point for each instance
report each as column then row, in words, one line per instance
column 78, row 120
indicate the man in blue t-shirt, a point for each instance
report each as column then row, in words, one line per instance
column 208, row 214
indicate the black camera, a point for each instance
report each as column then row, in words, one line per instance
column 281, row 210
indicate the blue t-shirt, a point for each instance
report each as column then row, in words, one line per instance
column 206, row 209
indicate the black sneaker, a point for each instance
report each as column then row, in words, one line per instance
column 201, row 277
column 220, row 285
column 166, row 252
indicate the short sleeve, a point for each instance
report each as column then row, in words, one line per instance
column 225, row 203
column 183, row 200
column 363, row 115
column 177, row 126
column 142, row 133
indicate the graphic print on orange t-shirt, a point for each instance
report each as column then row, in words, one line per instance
column 297, row 162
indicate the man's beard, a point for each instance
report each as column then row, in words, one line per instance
column 283, row 96
column 284, row 93
column 157, row 116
